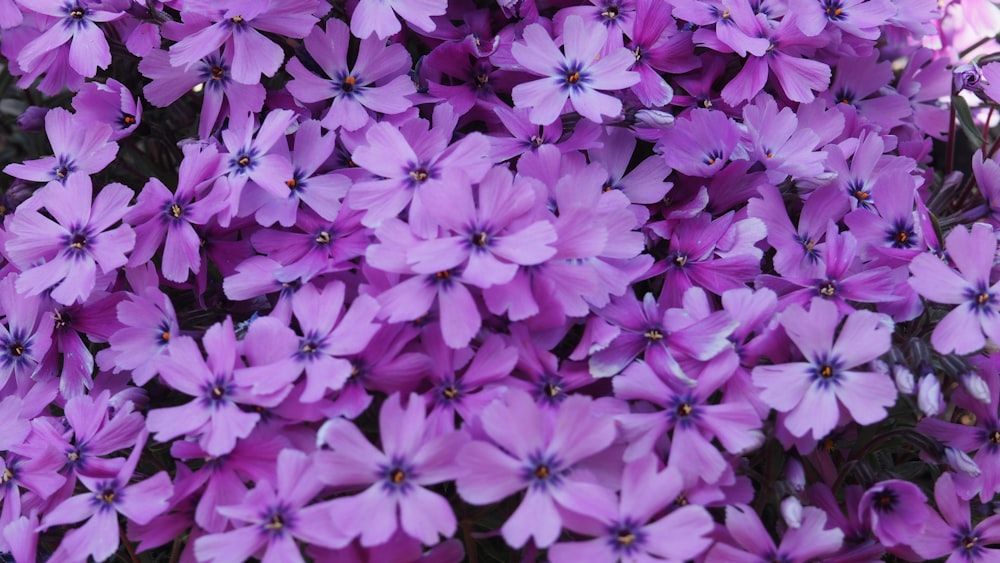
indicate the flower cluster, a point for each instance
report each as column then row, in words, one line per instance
column 418, row 280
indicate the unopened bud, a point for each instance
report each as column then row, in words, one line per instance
column 904, row 379
column 929, row 397
column 654, row 119
column 791, row 511
column 968, row 77
column 976, row 387
column 961, row 462
column 795, row 474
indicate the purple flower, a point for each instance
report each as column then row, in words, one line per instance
column 813, row 392
column 412, row 457
column 150, row 326
column 100, row 506
column 25, row 336
column 377, row 81
column 977, row 315
column 213, row 416
column 417, row 168
column 700, row 144
column 660, row 334
column 109, row 103
column 491, row 233
column 162, row 218
column 810, row 540
column 954, row 535
column 277, row 355
column 276, row 515
column 78, row 242
column 237, row 24
column 693, row 422
column 862, row 18
column 895, row 510
column 575, row 75
column 627, row 528
column 379, row 16
column 74, row 22
column 536, row 450
column 214, row 74
column 77, row 150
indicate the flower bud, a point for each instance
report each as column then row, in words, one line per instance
column 33, row 118
column 791, row 511
column 654, row 119
column 968, row 77
column 904, row 379
column 961, row 462
column 976, row 387
column 929, row 397
column 795, row 474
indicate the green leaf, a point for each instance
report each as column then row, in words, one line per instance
column 966, row 121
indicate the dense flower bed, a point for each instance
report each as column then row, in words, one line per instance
column 419, row 280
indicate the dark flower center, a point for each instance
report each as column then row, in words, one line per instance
column 827, row 289
column 6, row 476
column 825, row 371
column 680, row 260
column 552, row 390
column 217, row 73
column 834, row 10
column 653, row 334
column 573, row 77
column 78, row 241
column 684, row 409
column 323, row 238
column 397, row 476
column 681, row 500
column 479, row 239
column 970, row 543
column 107, row 496
column 348, row 84
column 77, row 13
column 625, row 537
column 16, row 349
column 419, row 175
column 62, row 171
column 243, row 161
column 995, row 437
column 128, row 119
column 449, row 392
column 176, row 211
column 542, row 472
column 236, row 20
column 275, row 523
column 611, row 12
column 885, row 501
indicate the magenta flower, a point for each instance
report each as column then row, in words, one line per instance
column 237, row 24
column 954, row 535
column 412, row 457
column 813, row 392
column 862, row 18
column 379, row 16
column 896, row 511
column 276, row 515
column 810, row 540
column 278, row 356
column 377, row 81
column 78, row 244
column 535, row 450
column 965, row 328
column 73, row 22
column 100, row 506
column 416, row 168
column 150, row 325
column 77, row 150
column 164, row 219
column 222, row 96
column 25, row 336
column 491, row 233
column 627, row 529
column 109, row 103
column 214, row 415
column 576, row 75
column 700, row 144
